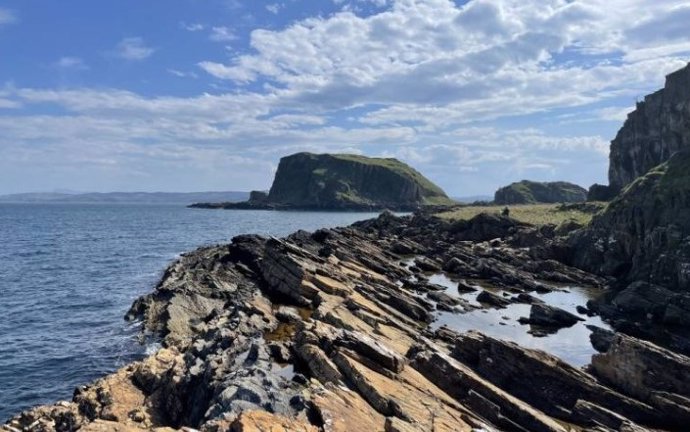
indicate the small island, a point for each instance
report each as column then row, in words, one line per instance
column 342, row 182
column 530, row 192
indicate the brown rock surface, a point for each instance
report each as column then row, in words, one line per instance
column 277, row 335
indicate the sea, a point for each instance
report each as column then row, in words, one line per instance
column 69, row 272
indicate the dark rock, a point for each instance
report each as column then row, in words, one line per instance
column 549, row 316
column 601, row 338
column 643, row 234
column 603, row 193
column 658, row 128
column 491, row 299
column 427, row 264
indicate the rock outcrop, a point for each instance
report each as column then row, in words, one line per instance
column 643, row 234
column 330, row 331
column 659, row 127
column 344, row 182
column 529, row 192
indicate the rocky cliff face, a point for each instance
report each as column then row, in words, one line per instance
column 644, row 234
column 349, row 181
column 659, row 127
column 529, row 192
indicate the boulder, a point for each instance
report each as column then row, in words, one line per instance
column 550, row 316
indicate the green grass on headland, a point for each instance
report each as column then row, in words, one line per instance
column 535, row 214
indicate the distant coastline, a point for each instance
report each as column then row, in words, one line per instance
column 182, row 198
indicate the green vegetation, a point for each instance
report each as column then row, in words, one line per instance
column 342, row 181
column 401, row 169
column 529, row 192
column 535, row 214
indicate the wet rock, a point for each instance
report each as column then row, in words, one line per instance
column 457, row 266
column 464, row 287
column 551, row 317
column 552, row 385
column 493, row 300
column 601, row 338
column 427, row 264
column 444, row 301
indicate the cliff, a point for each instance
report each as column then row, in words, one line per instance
column 529, row 192
column 659, row 127
column 345, row 182
column 644, row 233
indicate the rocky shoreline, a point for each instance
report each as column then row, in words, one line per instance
column 333, row 331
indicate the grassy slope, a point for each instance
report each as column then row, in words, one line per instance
column 438, row 197
column 536, row 214
column 528, row 189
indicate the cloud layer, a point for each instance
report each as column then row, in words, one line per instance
column 474, row 95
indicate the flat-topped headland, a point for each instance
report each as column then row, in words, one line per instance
column 337, row 182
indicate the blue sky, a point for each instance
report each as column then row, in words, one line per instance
column 190, row 95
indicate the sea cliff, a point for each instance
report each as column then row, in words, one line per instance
column 308, row 181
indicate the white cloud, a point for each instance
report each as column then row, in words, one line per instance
column 446, row 87
column 192, row 27
column 274, row 8
column 133, row 48
column 222, row 34
column 7, row 16
column 181, row 74
column 74, row 63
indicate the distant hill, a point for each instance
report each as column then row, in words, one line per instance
column 182, row 198
column 344, row 182
column 473, row 198
column 529, row 192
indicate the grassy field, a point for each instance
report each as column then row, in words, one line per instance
column 535, row 214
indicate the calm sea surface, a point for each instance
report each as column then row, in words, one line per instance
column 68, row 274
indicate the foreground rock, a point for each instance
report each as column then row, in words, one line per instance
column 329, row 331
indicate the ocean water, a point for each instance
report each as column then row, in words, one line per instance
column 69, row 272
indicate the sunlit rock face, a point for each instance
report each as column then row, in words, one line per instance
column 659, row 127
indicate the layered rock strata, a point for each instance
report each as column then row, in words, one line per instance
column 328, row 331
column 657, row 128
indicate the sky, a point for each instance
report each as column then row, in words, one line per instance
column 198, row 95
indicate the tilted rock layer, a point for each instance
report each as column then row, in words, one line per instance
column 328, row 331
column 659, row 127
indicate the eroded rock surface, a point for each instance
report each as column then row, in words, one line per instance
column 330, row 331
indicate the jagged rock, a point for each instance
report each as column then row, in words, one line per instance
column 552, row 385
column 601, row 338
column 658, row 128
column 463, row 384
column 262, row 421
column 492, row 299
column 640, row 368
column 426, row 264
column 339, row 361
column 644, row 234
column 549, row 316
